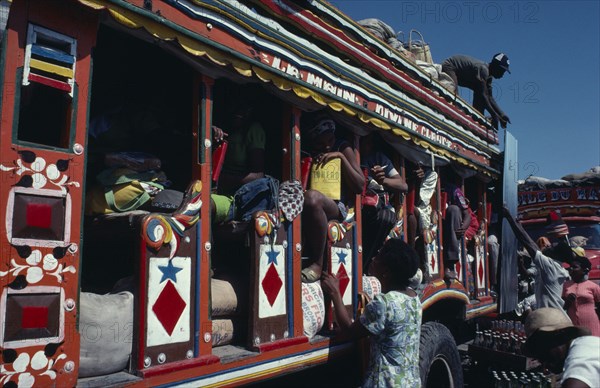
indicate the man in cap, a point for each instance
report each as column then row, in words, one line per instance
column 549, row 273
column 562, row 347
column 477, row 76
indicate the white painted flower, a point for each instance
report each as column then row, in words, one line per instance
column 21, row 363
column 34, row 274
column 39, row 360
column 39, row 180
column 38, row 165
column 26, row 380
column 52, row 172
column 34, row 258
column 50, row 262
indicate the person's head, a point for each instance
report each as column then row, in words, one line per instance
column 580, row 266
column 321, row 136
column 395, row 263
column 241, row 114
column 561, row 251
column 549, row 332
column 367, row 144
column 499, row 65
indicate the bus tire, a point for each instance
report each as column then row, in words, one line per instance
column 439, row 361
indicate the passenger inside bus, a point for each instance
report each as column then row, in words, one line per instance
column 244, row 160
column 383, row 182
column 324, row 147
column 456, row 222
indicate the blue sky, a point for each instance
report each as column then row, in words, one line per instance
column 553, row 94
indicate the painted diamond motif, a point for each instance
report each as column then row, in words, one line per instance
column 168, row 307
column 271, row 284
column 344, row 279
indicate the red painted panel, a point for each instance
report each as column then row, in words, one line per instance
column 38, row 215
column 34, row 317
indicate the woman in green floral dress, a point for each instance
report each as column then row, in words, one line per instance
column 392, row 318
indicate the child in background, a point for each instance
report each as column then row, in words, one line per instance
column 581, row 296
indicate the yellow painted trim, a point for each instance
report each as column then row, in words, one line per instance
column 51, row 68
column 271, row 371
column 92, row 4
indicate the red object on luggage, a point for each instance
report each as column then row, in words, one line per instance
column 305, row 170
column 218, row 158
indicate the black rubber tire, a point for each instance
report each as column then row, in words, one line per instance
column 439, row 361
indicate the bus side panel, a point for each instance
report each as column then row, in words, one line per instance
column 41, row 195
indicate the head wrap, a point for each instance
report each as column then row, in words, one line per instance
column 556, row 226
column 323, row 126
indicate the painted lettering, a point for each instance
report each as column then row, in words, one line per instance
column 314, row 80
column 276, row 63
column 542, row 196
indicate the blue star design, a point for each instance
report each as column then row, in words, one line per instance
column 272, row 254
column 342, row 257
column 169, row 272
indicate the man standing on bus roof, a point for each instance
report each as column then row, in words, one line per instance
column 477, row 76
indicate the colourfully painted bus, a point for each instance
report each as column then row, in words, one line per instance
column 576, row 198
column 124, row 279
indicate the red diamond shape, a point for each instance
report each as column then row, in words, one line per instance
column 168, row 307
column 271, row 284
column 480, row 272
column 432, row 262
column 342, row 275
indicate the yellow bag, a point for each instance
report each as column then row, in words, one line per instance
column 120, row 190
column 327, row 178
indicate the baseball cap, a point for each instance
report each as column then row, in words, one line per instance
column 501, row 60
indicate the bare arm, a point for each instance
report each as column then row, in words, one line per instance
column 393, row 183
column 349, row 329
column 353, row 175
column 574, row 383
column 520, row 233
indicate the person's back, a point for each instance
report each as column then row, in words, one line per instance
column 549, row 279
column 394, row 319
column 583, row 361
column 469, row 71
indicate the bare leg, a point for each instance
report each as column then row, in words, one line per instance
column 318, row 210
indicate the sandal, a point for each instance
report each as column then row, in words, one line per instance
column 309, row 276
